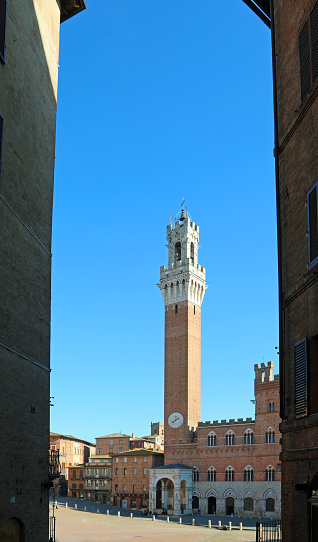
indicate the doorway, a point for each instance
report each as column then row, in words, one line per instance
column 211, row 505
column 229, row 506
column 195, row 502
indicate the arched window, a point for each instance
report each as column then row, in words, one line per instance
column 248, row 474
column 269, row 474
column 73, row 486
column 192, row 252
column 229, row 474
column 248, row 504
column 177, row 250
column 195, row 475
column 74, row 473
column 81, row 474
column 211, row 474
column 212, row 439
column 270, row 505
column 270, row 435
column 229, row 439
column 81, row 486
column 248, row 437
column 271, row 406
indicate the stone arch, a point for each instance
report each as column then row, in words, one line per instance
column 248, row 493
column 269, row 493
column 211, row 493
column 229, row 493
column 196, row 493
column 13, row 528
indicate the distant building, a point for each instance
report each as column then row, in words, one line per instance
column 92, row 480
column 113, row 443
column 72, row 450
column 227, row 467
column 295, row 60
column 29, row 55
column 130, row 473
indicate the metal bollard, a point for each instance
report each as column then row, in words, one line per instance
column 84, row 508
column 230, row 525
column 220, row 525
column 66, row 505
column 180, row 520
column 107, row 512
column 131, row 515
column 193, row 521
column 241, row 526
column 75, row 506
column 210, row 524
column 118, row 514
column 168, row 519
column 153, row 518
column 97, row 510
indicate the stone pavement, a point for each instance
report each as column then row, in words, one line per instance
column 78, row 526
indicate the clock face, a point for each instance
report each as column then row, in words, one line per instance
column 175, row 419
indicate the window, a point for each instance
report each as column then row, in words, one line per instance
column 74, row 473
column 229, row 474
column 3, row 9
column 116, row 471
column 176, row 309
column 269, row 474
column 100, row 442
column 88, row 471
column 177, row 249
column 270, row 505
column 89, row 482
column 96, row 472
column 270, row 436
column 100, row 450
column 145, row 459
column 144, row 488
column 125, row 459
column 308, row 53
column 192, row 252
column 145, row 471
column 248, row 504
column 120, row 450
column 300, row 358
column 313, row 375
column 312, row 212
column 135, row 459
column 195, row 475
column 125, row 487
column 110, row 443
column 271, row 406
column 229, row 439
column 105, row 471
column 248, row 474
column 125, row 471
column 212, row 439
column 211, row 474
column 135, row 470
column 249, row 437
column 120, row 441
column 116, row 459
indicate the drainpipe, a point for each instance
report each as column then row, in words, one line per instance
column 278, row 214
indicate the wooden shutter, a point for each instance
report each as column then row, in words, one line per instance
column 304, row 57
column 1, row 131
column 314, row 42
column 313, row 225
column 300, row 356
column 3, row 10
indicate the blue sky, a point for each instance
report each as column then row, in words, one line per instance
column 159, row 101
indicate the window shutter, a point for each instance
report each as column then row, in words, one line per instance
column 300, row 356
column 3, row 9
column 304, row 58
column 314, row 41
column 313, row 225
column 1, row 131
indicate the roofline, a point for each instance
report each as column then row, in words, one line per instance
column 254, row 6
column 70, row 437
column 69, row 8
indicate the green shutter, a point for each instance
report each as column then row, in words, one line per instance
column 3, row 10
column 313, row 226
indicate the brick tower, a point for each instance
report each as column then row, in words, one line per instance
column 182, row 286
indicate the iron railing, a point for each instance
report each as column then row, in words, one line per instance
column 269, row 531
column 52, row 529
column 54, row 463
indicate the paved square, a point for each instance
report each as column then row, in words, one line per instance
column 76, row 526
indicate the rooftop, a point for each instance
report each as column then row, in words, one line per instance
column 57, row 436
column 139, row 451
column 69, row 8
column 114, row 435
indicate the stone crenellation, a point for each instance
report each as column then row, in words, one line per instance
column 225, row 422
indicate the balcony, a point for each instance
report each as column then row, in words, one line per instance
column 54, row 464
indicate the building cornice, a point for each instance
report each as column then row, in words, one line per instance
column 69, row 8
